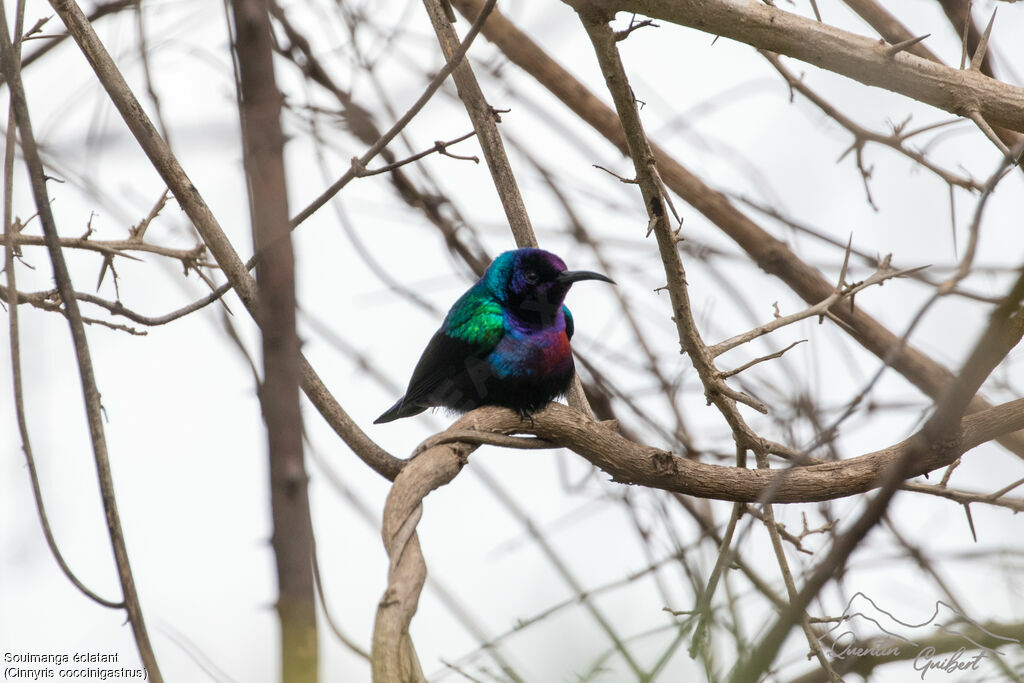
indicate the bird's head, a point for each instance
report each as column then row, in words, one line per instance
column 532, row 283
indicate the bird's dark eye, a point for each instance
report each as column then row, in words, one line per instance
column 531, row 276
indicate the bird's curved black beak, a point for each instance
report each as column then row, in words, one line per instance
column 568, row 277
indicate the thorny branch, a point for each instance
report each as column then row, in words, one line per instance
column 861, row 136
column 90, row 391
column 440, row 461
column 10, row 252
column 862, row 59
column 217, row 242
column 657, row 175
column 769, row 253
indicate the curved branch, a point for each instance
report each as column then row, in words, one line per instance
column 628, row 462
column 393, row 656
column 632, row 463
column 772, row 255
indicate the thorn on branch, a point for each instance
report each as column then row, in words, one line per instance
column 899, row 47
column 817, row 12
column 628, row 181
column 980, row 121
column 88, row 227
column 634, row 25
column 138, row 231
column 966, row 32
column 650, row 225
column 970, row 521
column 108, row 263
column 979, row 53
column 496, row 113
column 846, row 264
column 36, row 28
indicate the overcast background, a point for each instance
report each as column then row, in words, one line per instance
column 185, row 434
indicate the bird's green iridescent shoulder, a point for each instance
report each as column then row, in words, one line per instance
column 570, row 326
column 476, row 318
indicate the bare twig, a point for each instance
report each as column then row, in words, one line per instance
column 91, row 396
column 454, row 60
column 863, row 135
column 769, row 253
column 190, row 258
column 199, row 213
column 770, row 356
column 844, row 291
column 15, row 342
column 440, row 147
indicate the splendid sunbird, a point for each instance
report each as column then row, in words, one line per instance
column 505, row 342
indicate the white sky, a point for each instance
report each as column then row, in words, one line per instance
column 184, row 428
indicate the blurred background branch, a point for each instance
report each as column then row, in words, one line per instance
column 847, row 296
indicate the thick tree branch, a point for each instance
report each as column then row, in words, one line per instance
column 959, row 92
column 263, row 145
column 630, row 463
column 771, row 254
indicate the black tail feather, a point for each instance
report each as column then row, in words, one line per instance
column 399, row 410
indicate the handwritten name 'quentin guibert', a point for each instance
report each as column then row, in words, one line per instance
column 924, row 662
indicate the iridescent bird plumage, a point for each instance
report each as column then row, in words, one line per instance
column 504, row 342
